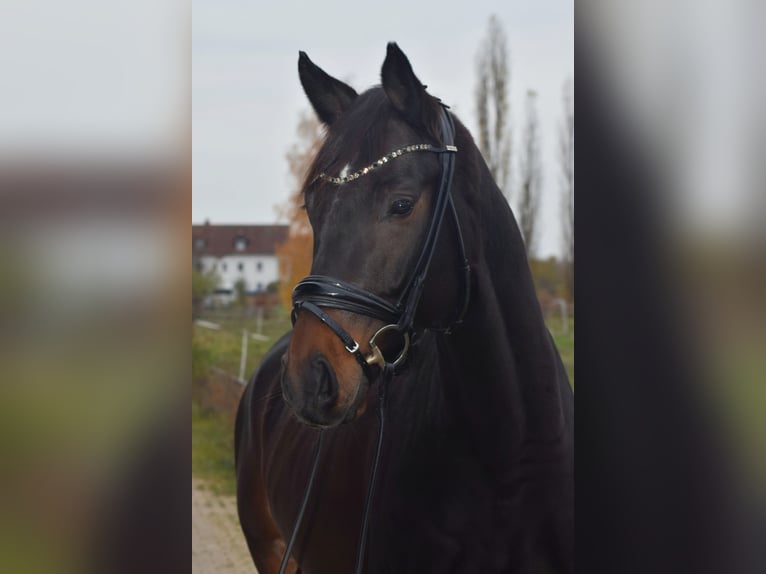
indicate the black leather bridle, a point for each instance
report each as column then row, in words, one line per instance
column 316, row 292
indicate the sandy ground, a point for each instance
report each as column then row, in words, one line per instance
column 218, row 545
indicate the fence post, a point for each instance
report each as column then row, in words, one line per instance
column 259, row 320
column 243, row 357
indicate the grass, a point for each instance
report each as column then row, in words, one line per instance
column 564, row 342
column 740, row 393
column 213, row 450
column 223, row 347
column 213, row 433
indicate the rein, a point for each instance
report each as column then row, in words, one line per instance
column 315, row 292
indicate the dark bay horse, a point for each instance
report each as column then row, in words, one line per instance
column 476, row 466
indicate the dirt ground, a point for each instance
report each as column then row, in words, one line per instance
column 218, row 546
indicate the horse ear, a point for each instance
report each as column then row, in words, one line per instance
column 329, row 97
column 407, row 94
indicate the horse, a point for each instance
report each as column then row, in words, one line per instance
column 420, row 298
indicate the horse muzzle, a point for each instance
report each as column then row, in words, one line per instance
column 321, row 382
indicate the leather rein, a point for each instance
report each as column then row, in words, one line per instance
column 316, row 292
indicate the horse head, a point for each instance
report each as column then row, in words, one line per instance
column 374, row 201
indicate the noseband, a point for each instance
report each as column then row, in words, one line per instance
column 316, row 292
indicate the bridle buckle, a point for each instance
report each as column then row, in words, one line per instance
column 353, row 349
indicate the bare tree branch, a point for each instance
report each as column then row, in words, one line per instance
column 531, row 176
column 566, row 162
column 492, row 104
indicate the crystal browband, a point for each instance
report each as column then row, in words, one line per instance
column 382, row 161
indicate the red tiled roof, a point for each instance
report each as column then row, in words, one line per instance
column 220, row 240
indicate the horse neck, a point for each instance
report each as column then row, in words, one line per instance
column 504, row 376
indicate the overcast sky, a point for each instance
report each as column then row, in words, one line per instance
column 247, row 96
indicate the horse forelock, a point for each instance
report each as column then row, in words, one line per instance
column 359, row 136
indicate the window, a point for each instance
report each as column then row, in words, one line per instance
column 200, row 267
column 240, row 266
column 199, row 243
column 223, row 266
column 259, row 288
column 240, row 244
column 259, row 266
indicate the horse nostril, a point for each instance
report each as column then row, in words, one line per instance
column 326, row 383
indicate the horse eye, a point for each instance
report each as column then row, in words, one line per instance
column 401, row 207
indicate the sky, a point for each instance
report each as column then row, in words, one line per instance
column 247, row 98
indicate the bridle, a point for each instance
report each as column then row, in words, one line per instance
column 316, row 292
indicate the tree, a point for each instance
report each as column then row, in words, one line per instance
column 295, row 254
column 203, row 283
column 566, row 161
column 531, row 175
column 492, row 104
column 240, row 292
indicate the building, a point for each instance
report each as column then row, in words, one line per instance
column 238, row 252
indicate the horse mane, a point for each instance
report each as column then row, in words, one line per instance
column 519, row 318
